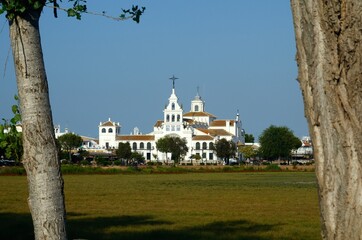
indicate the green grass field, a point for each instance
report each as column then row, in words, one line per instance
column 258, row 205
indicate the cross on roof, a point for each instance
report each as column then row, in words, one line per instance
column 173, row 78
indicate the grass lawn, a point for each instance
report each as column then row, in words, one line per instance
column 258, row 205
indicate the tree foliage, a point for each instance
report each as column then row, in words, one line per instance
column 10, row 139
column 124, row 150
column 137, row 157
column 277, row 142
column 73, row 8
column 225, row 149
column 249, row 152
column 69, row 142
column 249, row 138
column 174, row 145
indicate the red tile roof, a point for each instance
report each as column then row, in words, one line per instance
column 199, row 114
column 158, row 123
column 221, row 123
column 215, row 132
column 107, row 124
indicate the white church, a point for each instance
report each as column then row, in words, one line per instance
column 200, row 129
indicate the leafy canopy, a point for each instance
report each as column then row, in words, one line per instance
column 70, row 141
column 74, row 8
column 277, row 142
column 249, row 138
column 124, row 150
column 248, row 152
column 174, row 145
column 225, row 149
column 10, row 139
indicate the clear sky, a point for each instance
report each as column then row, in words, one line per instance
column 240, row 53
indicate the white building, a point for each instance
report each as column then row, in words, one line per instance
column 305, row 150
column 200, row 129
column 58, row 132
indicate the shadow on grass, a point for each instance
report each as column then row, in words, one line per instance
column 16, row 226
column 19, row 226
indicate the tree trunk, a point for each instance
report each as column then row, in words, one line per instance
column 46, row 198
column 328, row 37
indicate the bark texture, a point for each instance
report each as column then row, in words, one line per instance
column 46, row 198
column 329, row 56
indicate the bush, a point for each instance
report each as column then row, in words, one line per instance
column 273, row 167
column 117, row 162
column 84, row 162
column 12, row 171
column 103, row 162
column 227, row 169
column 73, row 169
column 133, row 169
column 151, row 163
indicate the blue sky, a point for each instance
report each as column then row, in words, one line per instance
column 241, row 55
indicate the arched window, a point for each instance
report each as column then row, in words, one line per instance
column 173, row 118
column 104, row 130
column 211, row 145
column 110, row 130
column 142, row 145
column 173, row 106
column 178, row 117
column 167, row 118
column 134, row 146
column 149, row 146
column 196, row 108
column 197, row 146
column 204, row 145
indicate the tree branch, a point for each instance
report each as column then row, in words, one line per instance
column 93, row 13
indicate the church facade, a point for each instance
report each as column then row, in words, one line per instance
column 200, row 129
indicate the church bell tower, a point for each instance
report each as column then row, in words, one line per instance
column 173, row 112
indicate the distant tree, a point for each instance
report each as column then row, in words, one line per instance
column 174, row 145
column 69, row 142
column 277, row 142
column 124, row 151
column 196, row 156
column 248, row 152
column 225, row 149
column 10, row 139
column 179, row 148
column 137, row 157
column 249, row 138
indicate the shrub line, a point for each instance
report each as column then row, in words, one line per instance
column 89, row 170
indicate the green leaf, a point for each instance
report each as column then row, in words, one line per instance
column 22, row 9
column 37, row 5
column 71, row 12
column 15, row 109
